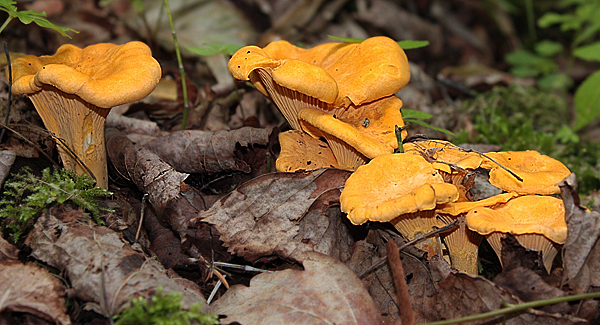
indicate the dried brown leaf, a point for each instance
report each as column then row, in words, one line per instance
column 461, row 295
column 101, row 267
column 195, row 151
column 326, row 292
column 26, row 288
column 581, row 260
column 145, row 169
column 264, row 216
column 8, row 251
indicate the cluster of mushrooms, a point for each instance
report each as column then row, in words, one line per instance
column 339, row 100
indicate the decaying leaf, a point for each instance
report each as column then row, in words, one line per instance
column 102, row 268
column 461, row 295
column 8, row 251
column 195, row 151
column 265, row 216
column 145, row 169
column 529, row 286
column 380, row 283
column 326, row 292
column 7, row 159
column 26, row 288
column 581, row 252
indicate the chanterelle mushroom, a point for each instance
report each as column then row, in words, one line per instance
column 300, row 151
column 357, row 133
column 328, row 76
column 74, row 89
column 537, row 222
column 540, row 173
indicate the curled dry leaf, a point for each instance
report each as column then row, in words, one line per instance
column 145, row 169
column 581, row 252
column 195, row 151
column 268, row 215
column 8, row 251
column 101, row 267
column 326, row 292
column 26, row 288
column 7, row 159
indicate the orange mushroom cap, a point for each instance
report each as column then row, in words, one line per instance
column 357, row 133
column 104, row 75
column 540, row 173
column 300, row 151
column 392, row 185
column 74, row 89
column 328, row 75
column 536, row 221
column 444, row 154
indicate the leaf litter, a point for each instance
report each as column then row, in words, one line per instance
column 181, row 231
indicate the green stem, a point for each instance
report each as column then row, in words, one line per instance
column 516, row 308
column 5, row 23
column 186, row 105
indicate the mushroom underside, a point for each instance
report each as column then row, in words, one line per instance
column 80, row 128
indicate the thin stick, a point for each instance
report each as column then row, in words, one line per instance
column 382, row 260
column 515, row 308
column 9, row 99
column 186, row 105
column 142, row 208
column 455, row 147
column 393, row 254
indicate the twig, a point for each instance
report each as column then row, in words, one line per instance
column 382, row 260
column 515, row 308
column 246, row 268
column 455, row 147
column 186, row 105
column 393, row 254
column 9, row 99
column 214, row 292
column 142, row 208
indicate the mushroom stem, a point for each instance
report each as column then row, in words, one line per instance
column 80, row 125
column 463, row 245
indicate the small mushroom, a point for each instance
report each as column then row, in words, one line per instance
column 462, row 243
column 392, row 185
column 331, row 75
column 300, row 151
column 399, row 188
column 539, row 173
column 537, row 222
column 352, row 142
column 74, row 89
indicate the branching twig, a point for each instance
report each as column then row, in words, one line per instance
column 382, row 260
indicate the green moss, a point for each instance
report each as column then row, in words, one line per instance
column 163, row 309
column 524, row 118
column 27, row 196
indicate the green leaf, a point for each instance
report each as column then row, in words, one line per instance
column 428, row 126
column 411, row 113
column 212, row 48
column 555, row 81
column 588, row 52
column 29, row 16
column 405, row 45
column 587, row 101
column 346, row 39
column 409, row 45
column 548, row 48
column 552, row 18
